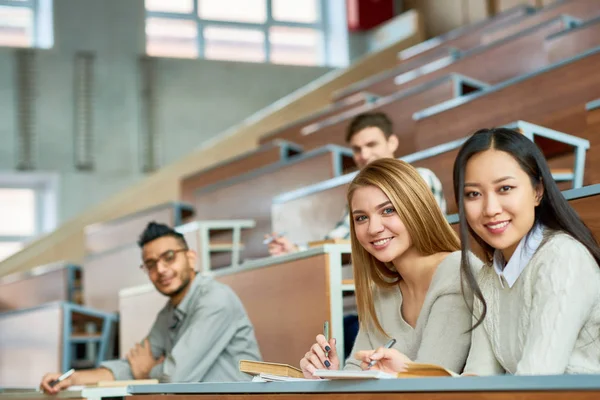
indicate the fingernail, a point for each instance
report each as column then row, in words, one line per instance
column 327, row 348
column 327, row 364
column 334, row 342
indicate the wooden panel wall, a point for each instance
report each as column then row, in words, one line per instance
column 285, row 319
column 26, row 353
column 104, row 274
column 34, row 291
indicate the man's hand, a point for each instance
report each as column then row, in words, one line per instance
column 142, row 361
column 281, row 245
column 45, row 384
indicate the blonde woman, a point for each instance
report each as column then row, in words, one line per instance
column 406, row 261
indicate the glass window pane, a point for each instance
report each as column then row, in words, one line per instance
column 299, row 46
column 171, row 38
column 7, row 249
column 233, row 10
column 234, row 44
column 296, row 11
column 175, row 6
column 17, row 212
column 16, row 25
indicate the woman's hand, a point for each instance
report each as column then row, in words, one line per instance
column 388, row 360
column 315, row 358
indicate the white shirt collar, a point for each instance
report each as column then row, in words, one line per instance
column 520, row 258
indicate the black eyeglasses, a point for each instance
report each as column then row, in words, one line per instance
column 167, row 258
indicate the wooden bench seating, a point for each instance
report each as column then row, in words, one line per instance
column 580, row 9
column 554, row 97
column 512, row 56
column 291, row 129
column 516, row 24
column 107, row 235
column 566, row 44
column 379, row 83
column 399, row 107
column 249, row 196
column 268, row 153
column 466, row 37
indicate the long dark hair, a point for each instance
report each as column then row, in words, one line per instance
column 553, row 211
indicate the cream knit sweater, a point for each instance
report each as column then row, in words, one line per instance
column 441, row 332
column 548, row 322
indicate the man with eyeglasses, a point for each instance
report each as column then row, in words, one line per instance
column 199, row 336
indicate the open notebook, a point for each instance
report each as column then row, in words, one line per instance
column 414, row 370
column 262, row 377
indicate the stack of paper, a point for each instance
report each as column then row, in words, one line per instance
column 262, row 377
column 343, row 374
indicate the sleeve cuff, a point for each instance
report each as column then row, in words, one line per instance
column 119, row 368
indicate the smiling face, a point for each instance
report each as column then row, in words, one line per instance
column 377, row 226
column 370, row 144
column 169, row 266
column 499, row 200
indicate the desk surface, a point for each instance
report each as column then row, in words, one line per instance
column 85, row 393
column 463, row 384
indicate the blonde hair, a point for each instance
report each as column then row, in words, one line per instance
column 424, row 221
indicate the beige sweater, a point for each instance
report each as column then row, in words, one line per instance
column 548, row 322
column 440, row 335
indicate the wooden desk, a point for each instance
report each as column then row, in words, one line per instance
column 573, row 387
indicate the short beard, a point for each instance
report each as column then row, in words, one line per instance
column 180, row 289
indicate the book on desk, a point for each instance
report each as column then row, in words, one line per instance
column 269, row 372
column 255, row 368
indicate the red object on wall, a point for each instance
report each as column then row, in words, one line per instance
column 366, row 14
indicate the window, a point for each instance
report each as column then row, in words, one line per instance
column 26, row 23
column 27, row 209
column 276, row 31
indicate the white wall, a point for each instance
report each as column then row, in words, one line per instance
column 197, row 99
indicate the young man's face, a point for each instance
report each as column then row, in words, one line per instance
column 169, row 265
column 370, row 144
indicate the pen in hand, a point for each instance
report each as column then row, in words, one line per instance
column 61, row 378
column 326, row 334
column 388, row 345
column 272, row 238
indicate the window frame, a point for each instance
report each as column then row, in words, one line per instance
column 320, row 26
column 42, row 33
column 45, row 187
